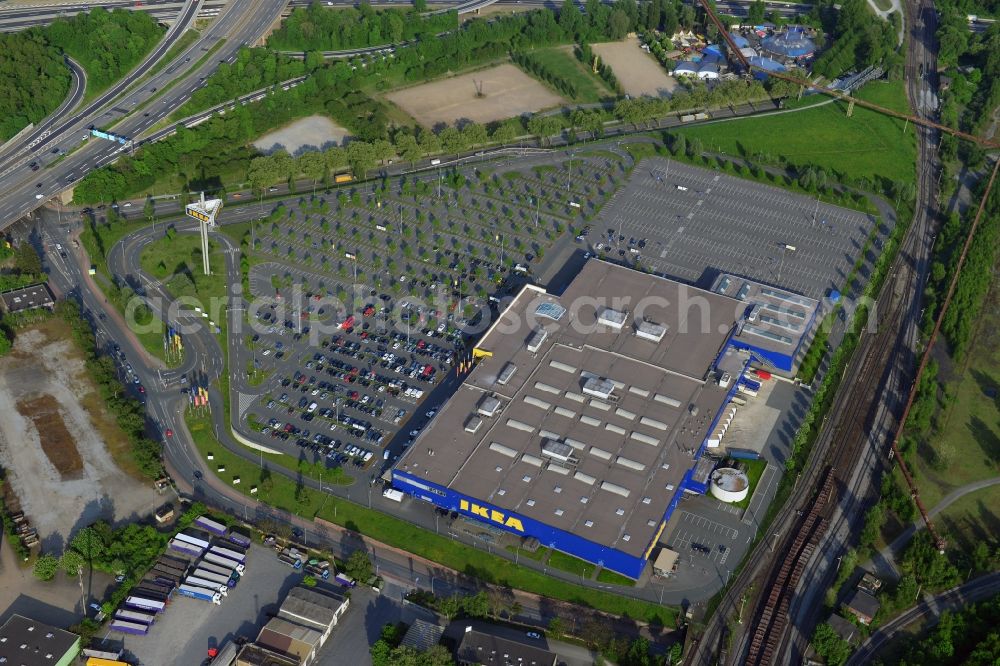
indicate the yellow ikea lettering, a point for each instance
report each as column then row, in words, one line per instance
column 491, row 514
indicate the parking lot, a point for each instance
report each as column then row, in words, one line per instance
column 691, row 223
column 363, row 302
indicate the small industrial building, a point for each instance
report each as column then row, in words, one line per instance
column 291, row 639
column 477, row 647
column 776, row 325
column 27, row 642
column 252, row 654
column 863, row 606
column 586, row 416
column 844, row 628
column 314, row 609
column 422, row 635
column 27, row 298
column 666, row 562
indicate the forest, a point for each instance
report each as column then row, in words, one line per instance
column 317, row 29
column 34, row 80
column 860, row 40
column 969, row 638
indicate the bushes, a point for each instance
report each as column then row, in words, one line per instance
column 318, row 29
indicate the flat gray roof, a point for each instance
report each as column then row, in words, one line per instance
column 27, row 298
column 782, row 319
column 28, row 642
column 600, row 459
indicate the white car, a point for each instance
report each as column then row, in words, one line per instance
column 430, row 414
column 38, row 196
column 368, row 456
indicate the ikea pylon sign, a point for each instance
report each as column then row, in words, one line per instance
column 493, row 515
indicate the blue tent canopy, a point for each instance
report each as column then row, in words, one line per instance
column 740, row 41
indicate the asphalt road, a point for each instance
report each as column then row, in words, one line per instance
column 931, row 608
column 241, row 22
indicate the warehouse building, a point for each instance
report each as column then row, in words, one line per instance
column 27, row 642
column 291, row 639
column 586, row 416
column 27, row 298
column 776, row 324
column 317, row 610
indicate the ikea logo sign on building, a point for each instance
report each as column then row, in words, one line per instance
column 493, row 515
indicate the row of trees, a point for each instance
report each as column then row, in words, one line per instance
column 316, row 28
column 585, row 54
column 532, row 64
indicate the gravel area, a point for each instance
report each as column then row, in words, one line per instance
column 305, row 134
column 637, row 71
column 45, row 371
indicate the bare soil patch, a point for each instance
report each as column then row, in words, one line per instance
column 52, row 440
column 507, row 92
column 56, row 441
column 637, row 71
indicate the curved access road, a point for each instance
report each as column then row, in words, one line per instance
column 956, row 598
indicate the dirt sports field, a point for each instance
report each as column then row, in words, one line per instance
column 310, row 133
column 637, row 71
column 54, row 440
column 508, row 92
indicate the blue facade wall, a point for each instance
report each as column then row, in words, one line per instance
column 609, row 558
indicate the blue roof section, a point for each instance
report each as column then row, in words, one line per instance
column 792, row 43
column 766, row 63
column 712, row 49
column 740, row 41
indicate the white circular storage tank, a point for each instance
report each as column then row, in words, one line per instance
column 729, row 485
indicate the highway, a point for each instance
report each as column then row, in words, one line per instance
column 241, row 22
column 928, row 610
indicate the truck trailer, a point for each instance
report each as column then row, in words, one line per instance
column 136, row 628
column 193, row 540
column 225, row 581
column 186, row 548
column 142, row 603
column 240, row 540
column 220, row 570
column 134, row 616
column 230, row 553
column 222, row 561
column 316, row 571
column 209, row 525
column 345, row 580
column 293, row 562
column 201, row 593
column 204, row 582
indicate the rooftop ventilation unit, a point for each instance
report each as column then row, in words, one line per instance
column 506, row 374
column 557, row 451
column 613, row 318
column 503, row 450
column 488, row 406
column 536, row 339
column 598, row 387
column 473, row 424
column 649, row 331
column 614, row 488
column 725, row 379
column 552, row 311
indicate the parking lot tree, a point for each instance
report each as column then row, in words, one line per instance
column 45, row 567
column 359, row 566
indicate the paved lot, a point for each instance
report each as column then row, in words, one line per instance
column 697, row 223
column 185, row 631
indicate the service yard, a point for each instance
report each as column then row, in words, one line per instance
column 637, row 71
column 507, row 92
column 54, row 438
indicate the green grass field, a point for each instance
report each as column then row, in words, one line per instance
column 589, row 87
column 969, row 435
column 867, row 145
column 973, row 518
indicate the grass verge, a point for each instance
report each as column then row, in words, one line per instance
column 867, row 145
column 755, row 469
column 560, row 59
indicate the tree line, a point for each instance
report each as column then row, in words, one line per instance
column 533, row 65
column 34, row 80
column 315, row 28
